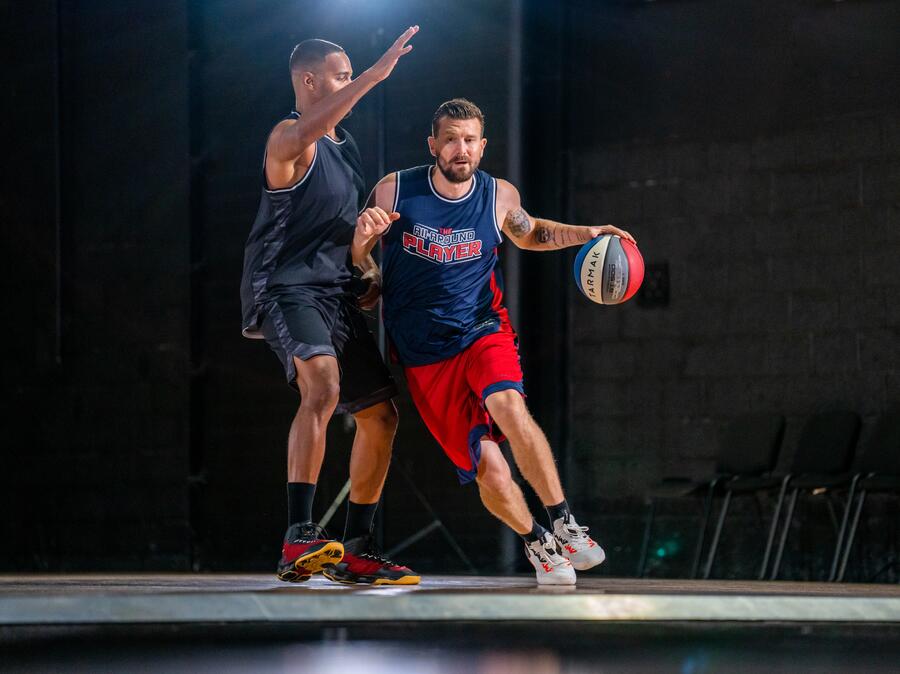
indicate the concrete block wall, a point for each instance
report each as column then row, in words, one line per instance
column 782, row 251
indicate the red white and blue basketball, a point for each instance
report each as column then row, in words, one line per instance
column 609, row 269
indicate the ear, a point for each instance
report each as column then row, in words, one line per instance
column 431, row 149
column 483, row 143
column 308, row 79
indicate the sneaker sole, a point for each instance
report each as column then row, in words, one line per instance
column 405, row 580
column 584, row 566
column 317, row 561
column 558, row 582
column 368, row 580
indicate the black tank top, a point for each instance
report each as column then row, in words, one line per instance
column 300, row 240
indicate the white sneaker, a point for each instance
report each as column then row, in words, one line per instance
column 549, row 565
column 576, row 545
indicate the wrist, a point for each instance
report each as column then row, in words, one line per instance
column 360, row 240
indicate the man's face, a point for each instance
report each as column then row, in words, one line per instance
column 331, row 75
column 457, row 147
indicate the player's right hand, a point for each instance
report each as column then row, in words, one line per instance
column 374, row 222
column 385, row 65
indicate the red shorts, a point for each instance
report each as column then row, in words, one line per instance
column 450, row 396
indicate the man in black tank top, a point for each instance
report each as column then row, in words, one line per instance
column 296, row 294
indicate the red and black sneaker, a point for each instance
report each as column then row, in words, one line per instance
column 363, row 563
column 307, row 550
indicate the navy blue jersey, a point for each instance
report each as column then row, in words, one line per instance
column 442, row 285
column 300, row 240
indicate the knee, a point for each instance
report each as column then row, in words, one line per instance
column 508, row 409
column 388, row 418
column 381, row 419
column 322, row 397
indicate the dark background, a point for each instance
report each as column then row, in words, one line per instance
column 753, row 146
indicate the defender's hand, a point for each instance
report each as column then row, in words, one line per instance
column 385, row 65
column 369, row 299
column 610, row 229
column 374, row 222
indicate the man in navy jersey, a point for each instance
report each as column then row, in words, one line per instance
column 444, row 314
column 296, row 294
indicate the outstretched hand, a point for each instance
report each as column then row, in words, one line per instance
column 610, row 229
column 385, row 65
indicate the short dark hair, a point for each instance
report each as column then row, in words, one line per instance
column 456, row 108
column 312, row 52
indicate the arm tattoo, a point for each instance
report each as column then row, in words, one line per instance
column 567, row 238
column 550, row 235
column 517, row 222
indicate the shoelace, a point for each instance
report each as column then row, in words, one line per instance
column 575, row 530
column 542, row 555
column 310, row 532
column 372, row 553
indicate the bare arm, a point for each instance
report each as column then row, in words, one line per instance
column 374, row 221
column 533, row 233
column 292, row 140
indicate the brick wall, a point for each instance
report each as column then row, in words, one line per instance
column 781, row 234
column 782, row 255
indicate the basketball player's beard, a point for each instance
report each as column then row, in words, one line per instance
column 447, row 168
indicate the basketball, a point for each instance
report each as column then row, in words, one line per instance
column 609, row 269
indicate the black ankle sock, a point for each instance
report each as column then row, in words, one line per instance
column 360, row 517
column 561, row 509
column 536, row 532
column 300, row 500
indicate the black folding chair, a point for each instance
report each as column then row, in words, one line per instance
column 821, row 463
column 749, row 447
column 877, row 470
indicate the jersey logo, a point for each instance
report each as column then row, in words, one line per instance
column 443, row 245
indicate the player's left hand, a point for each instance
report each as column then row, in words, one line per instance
column 372, row 279
column 610, row 229
column 382, row 68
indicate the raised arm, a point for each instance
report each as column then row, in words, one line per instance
column 533, row 233
column 292, row 140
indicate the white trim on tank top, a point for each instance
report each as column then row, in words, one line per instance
column 296, row 184
column 396, row 201
column 453, row 201
column 494, row 211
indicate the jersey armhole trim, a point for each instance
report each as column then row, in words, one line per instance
column 296, row 184
column 494, row 213
column 396, row 192
column 396, row 201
